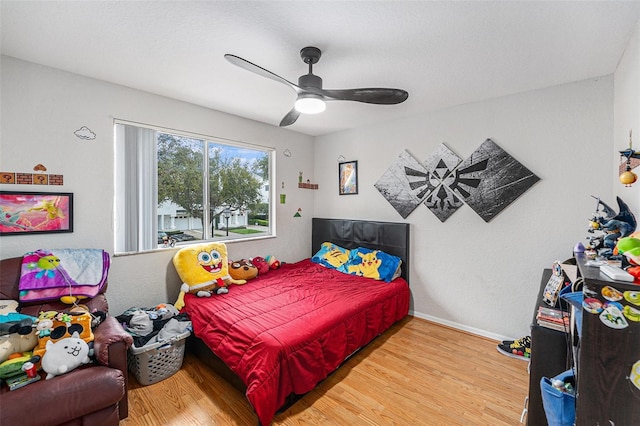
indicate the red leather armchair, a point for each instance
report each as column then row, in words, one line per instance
column 95, row 394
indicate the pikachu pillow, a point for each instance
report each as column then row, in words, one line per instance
column 331, row 256
column 204, row 270
column 374, row 264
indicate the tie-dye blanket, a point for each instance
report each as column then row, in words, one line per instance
column 52, row 274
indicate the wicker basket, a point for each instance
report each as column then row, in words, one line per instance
column 154, row 363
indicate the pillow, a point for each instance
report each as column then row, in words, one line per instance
column 374, row 264
column 331, row 256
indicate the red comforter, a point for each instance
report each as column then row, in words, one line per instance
column 285, row 331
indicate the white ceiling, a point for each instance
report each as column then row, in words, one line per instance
column 443, row 53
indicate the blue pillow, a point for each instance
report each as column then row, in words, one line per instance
column 331, row 256
column 374, row 264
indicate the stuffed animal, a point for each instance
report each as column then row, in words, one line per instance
column 14, row 365
column 242, row 270
column 273, row 262
column 13, row 322
column 261, row 264
column 204, row 270
column 65, row 355
column 630, row 248
column 12, row 343
column 53, row 325
column 17, row 332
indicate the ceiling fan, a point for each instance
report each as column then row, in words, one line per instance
column 311, row 96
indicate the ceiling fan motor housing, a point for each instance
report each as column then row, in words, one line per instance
column 310, row 80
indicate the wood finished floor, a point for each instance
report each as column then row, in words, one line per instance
column 417, row 373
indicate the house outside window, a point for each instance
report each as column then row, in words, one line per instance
column 173, row 187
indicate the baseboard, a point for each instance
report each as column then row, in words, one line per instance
column 461, row 327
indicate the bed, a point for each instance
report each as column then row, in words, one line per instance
column 279, row 335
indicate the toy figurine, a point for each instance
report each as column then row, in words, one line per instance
column 168, row 241
column 610, row 227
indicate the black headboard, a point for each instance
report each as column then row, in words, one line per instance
column 390, row 237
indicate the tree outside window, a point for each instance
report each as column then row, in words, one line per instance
column 190, row 201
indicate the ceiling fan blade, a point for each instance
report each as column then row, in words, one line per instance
column 256, row 69
column 290, row 118
column 378, row 96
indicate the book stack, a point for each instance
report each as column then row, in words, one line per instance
column 20, row 381
column 553, row 318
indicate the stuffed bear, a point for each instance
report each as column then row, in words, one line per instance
column 65, row 355
column 261, row 264
column 204, row 270
column 242, row 270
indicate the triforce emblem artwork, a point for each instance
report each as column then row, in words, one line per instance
column 488, row 181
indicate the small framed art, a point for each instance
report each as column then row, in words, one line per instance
column 348, row 177
column 25, row 213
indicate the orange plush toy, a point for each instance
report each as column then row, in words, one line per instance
column 242, row 270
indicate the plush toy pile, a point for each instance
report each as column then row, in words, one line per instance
column 54, row 326
column 205, row 270
column 18, row 337
column 248, row 269
column 56, row 342
column 27, row 341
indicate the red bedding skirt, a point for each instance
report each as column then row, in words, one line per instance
column 285, row 331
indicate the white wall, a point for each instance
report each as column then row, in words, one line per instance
column 42, row 107
column 627, row 116
column 479, row 276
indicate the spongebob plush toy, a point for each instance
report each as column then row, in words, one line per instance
column 204, row 270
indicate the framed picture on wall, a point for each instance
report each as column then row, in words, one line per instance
column 27, row 213
column 348, row 177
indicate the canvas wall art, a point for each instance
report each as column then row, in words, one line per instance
column 405, row 184
column 441, row 165
column 491, row 179
column 488, row 181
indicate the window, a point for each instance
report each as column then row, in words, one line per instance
column 174, row 187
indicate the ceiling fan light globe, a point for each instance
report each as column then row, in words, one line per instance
column 309, row 104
